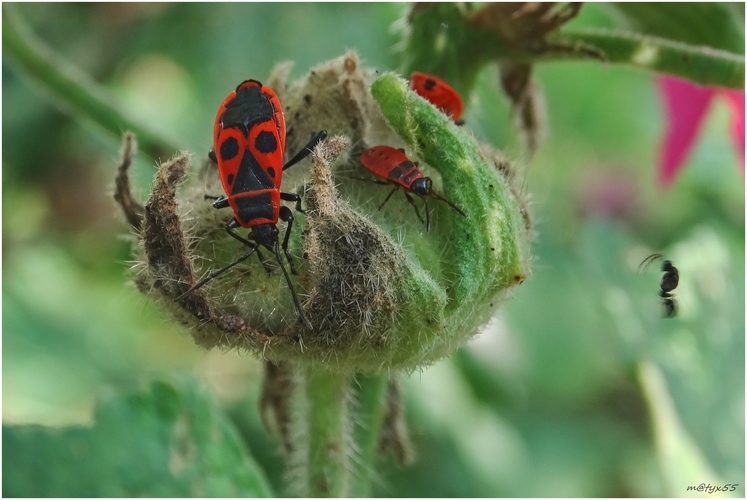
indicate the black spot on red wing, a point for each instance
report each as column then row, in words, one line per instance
column 229, row 149
column 266, row 142
column 230, row 179
column 430, row 84
column 271, row 172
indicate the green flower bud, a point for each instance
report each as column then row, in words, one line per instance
column 380, row 292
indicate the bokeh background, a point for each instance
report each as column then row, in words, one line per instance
column 577, row 388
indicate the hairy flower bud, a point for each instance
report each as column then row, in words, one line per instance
column 380, row 292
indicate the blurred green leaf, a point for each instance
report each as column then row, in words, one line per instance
column 165, row 441
column 682, row 462
column 73, row 90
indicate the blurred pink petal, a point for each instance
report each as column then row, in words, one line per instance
column 736, row 104
column 685, row 107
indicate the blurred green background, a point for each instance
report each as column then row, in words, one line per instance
column 578, row 387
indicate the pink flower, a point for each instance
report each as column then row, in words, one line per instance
column 686, row 105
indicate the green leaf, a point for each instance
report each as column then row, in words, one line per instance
column 164, row 441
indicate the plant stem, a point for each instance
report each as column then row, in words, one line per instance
column 326, row 412
column 702, row 65
column 372, row 406
column 73, row 89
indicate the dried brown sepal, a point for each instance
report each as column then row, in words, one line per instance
column 132, row 209
column 528, row 26
column 394, row 436
column 335, row 94
column 355, row 269
column 527, row 103
column 169, row 269
column 525, row 25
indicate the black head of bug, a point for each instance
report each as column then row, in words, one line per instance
column 265, row 235
column 671, row 277
column 421, row 186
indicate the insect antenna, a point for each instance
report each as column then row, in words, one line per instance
column 439, row 197
column 305, row 320
column 217, row 273
column 647, row 261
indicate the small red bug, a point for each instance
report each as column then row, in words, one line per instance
column 392, row 164
column 249, row 144
column 438, row 93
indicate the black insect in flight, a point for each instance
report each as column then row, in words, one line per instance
column 669, row 281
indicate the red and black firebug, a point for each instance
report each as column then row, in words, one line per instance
column 438, row 93
column 249, row 144
column 393, row 165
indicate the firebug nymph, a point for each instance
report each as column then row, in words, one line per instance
column 438, row 93
column 392, row 165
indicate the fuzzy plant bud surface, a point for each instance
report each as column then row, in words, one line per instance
column 381, row 292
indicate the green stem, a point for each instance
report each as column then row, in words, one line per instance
column 703, row 65
column 73, row 89
column 371, row 411
column 327, row 454
column 443, row 41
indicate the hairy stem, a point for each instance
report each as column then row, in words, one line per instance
column 326, row 413
column 703, row 65
column 371, row 396
column 72, row 89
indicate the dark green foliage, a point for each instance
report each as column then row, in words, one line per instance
column 164, row 441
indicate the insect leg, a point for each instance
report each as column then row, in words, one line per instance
column 303, row 317
column 306, row 151
column 220, row 201
column 417, row 211
column 388, row 196
column 287, row 216
column 293, row 197
column 229, row 229
column 427, row 215
column 218, row 272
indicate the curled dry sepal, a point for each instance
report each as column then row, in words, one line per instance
column 382, row 294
